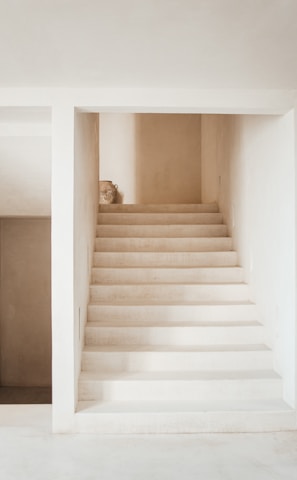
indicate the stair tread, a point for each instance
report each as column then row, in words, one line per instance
column 171, row 267
column 171, row 284
column 145, row 303
column 163, row 214
column 175, row 348
column 170, row 324
column 180, row 375
column 161, row 407
column 150, row 206
column 162, row 237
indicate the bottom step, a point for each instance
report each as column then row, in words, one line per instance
column 184, row 417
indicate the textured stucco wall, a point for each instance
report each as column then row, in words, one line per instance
column 25, row 308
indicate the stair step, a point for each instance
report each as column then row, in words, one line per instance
column 161, row 293
column 214, row 415
column 159, row 208
column 159, row 218
column 173, row 231
column 173, row 343
column 128, row 358
column 163, row 244
column 216, row 312
column 180, row 386
column 99, row 333
column 165, row 259
column 127, row 275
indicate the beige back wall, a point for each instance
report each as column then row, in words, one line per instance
column 168, row 164
column 154, row 158
column 25, row 302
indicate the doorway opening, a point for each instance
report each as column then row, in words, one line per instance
column 25, row 256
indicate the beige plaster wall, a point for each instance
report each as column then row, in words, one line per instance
column 168, row 166
column 154, row 158
column 25, row 301
column 211, row 134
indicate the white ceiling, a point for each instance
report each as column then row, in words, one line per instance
column 149, row 43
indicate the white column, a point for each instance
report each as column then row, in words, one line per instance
column 63, row 378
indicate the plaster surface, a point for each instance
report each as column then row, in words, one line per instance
column 28, row 448
column 194, row 43
column 155, row 158
column 25, row 302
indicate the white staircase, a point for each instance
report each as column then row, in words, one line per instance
column 172, row 342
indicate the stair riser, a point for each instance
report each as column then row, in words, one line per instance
column 113, row 362
column 169, row 275
column 169, row 422
column 165, row 259
column 174, row 335
column 171, row 293
column 159, row 218
column 175, row 231
column 176, row 313
column 161, row 208
column 144, row 391
column 220, row 244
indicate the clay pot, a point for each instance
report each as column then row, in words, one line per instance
column 107, row 192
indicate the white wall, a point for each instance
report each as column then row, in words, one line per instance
column 25, row 162
column 86, row 150
column 63, row 374
column 254, row 163
column 153, row 158
column 117, row 153
column 74, row 205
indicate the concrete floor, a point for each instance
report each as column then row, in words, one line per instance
column 29, row 451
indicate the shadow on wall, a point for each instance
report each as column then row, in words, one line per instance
column 167, row 158
column 25, row 307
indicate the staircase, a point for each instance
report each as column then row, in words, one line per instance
column 172, row 342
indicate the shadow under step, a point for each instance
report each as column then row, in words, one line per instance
column 211, row 244
column 175, row 231
column 132, row 275
column 148, row 358
column 162, row 293
column 169, row 218
column 159, row 208
column 261, row 415
column 165, row 259
column 182, row 333
column 199, row 312
column 180, row 386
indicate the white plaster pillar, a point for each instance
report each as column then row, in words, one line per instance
column 63, row 380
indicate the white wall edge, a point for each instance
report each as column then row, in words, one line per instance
column 154, row 100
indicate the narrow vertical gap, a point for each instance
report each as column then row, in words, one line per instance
column 0, row 302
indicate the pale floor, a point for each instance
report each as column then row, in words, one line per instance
column 29, row 451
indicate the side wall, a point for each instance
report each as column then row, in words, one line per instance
column 25, row 302
column 255, row 188
column 86, row 172
column 154, row 158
